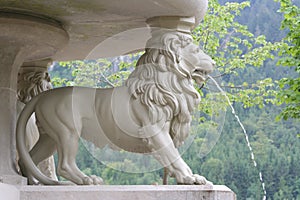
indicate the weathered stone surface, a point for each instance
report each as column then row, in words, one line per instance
column 90, row 22
column 39, row 38
column 9, row 192
column 13, row 180
column 144, row 192
column 10, row 58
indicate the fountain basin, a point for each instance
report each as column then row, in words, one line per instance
column 88, row 23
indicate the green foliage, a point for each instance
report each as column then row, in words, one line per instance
column 235, row 48
column 289, row 93
column 101, row 73
column 229, row 43
column 61, row 74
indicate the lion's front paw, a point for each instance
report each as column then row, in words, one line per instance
column 92, row 180
column 97, row 180
column 199, row 180
column 194, row 180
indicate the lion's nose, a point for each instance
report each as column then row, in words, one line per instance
column 213, row 63
column 211, row 67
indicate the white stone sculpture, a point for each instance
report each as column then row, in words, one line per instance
column 150, row 114
column 31, row 82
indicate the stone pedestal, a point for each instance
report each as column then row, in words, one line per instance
column 144, row 192
column 9, row 192
column 10, row 59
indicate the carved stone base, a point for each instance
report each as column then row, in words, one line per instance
column 13, row 179
column 9, row 192
column 145, row 192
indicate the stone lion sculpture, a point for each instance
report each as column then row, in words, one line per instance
column 151, row 113
column 30, row 84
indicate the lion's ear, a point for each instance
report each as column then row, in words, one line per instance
column 161, row 60
column 176, row 47
column 178, row 56
column 47, row 77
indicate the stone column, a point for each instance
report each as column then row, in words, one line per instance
column 11, row 57
column 22, row 38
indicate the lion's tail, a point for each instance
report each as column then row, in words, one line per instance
column 22, row 150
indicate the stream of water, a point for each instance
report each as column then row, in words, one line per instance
column 245, row 133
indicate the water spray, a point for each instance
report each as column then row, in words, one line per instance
column 245, row 134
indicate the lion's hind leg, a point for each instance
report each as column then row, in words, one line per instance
column 44, row 148
column 60, row 126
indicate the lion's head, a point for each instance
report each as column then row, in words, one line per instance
column 163, row 80
column 31, row 84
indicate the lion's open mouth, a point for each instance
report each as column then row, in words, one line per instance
column 199, row 75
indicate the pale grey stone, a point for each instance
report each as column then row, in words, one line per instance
column 89, row 24
column 139, row 192
column 9, row 192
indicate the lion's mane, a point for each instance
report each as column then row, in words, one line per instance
column 31, row 84
column 162, row 83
